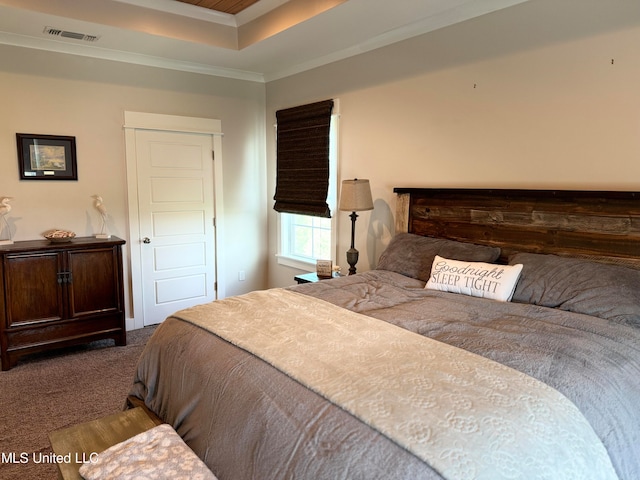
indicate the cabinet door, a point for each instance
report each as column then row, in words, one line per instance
column 95, row 282
column 33, row 293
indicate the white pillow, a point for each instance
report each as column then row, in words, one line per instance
column 477, row 279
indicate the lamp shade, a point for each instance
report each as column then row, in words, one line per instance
column 355, row 195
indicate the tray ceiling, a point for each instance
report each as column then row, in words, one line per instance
column 226, row 6
column 265, row 40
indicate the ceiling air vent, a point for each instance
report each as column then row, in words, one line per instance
column 57, row 32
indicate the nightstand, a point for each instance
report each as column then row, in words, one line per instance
column 312, row 277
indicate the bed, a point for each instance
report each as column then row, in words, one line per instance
column 497, row 337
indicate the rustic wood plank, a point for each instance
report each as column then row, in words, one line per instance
column 604, row 223
column 226, row 6
column 135, row 402
column 580, row 223
column 402, row 213
column 79, row 443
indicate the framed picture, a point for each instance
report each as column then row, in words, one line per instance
column 46, row 157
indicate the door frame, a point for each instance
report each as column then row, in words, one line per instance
column 168, row 123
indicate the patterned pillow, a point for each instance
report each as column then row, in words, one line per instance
column 576, row 285
column 156, row 453
column 478, row 279
column 412, row 255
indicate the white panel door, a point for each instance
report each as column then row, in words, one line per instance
column 176, row 216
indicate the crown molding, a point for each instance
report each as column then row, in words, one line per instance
column 126, row 57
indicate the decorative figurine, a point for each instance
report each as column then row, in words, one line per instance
column 99, row 205
column 5, row 238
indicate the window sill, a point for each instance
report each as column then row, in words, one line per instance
column 306, row 266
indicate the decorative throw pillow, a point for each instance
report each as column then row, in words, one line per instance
column 478, row 279
column 581, row 286
column 412, row 255
column 157, row 453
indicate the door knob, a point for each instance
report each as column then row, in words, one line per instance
column 146, row 240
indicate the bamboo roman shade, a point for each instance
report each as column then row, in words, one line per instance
column 303, row 159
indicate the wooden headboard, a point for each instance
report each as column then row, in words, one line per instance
column 598, row 224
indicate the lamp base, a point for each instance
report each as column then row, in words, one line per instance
column 352, row 259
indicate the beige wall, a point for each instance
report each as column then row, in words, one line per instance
column 526, row 97
column 49, row 93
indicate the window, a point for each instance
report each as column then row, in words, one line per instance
column 303, row 239
column 308, row 238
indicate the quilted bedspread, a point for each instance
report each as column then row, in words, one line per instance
column 465, row 415
column 246, row 419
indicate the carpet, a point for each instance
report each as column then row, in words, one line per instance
column 57, row 389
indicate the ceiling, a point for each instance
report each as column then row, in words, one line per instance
column 265, row 40
column 226, row 6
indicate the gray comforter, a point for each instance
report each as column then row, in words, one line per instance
column 246, row 420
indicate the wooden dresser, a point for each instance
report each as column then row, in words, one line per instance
column 59, row 294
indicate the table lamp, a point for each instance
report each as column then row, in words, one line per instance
column 355, row 196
